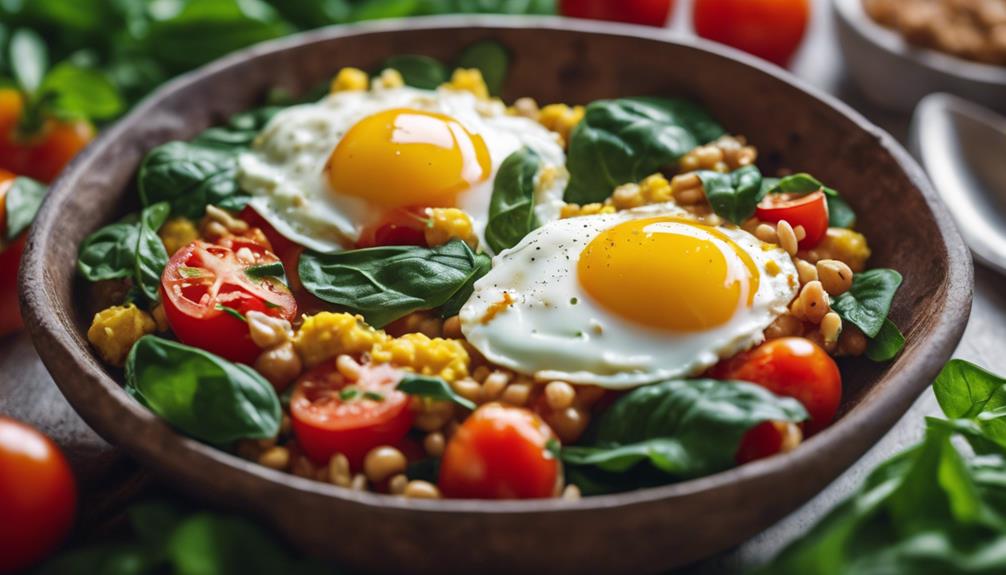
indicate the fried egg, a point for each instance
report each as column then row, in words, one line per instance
column 627, row 299
column 320, row 173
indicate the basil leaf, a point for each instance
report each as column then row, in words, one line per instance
column 151, row 256
column 840, row 215
column 201, row 394
column 625, row 140
column 869, row 299
column 81, row 93
column 887, row 344
column 22, row 201
column 684, row 428
column 189, row 176
column 29, row 59
column 433, row 388
column 110, row 253
column 386, row 283
column 418, row 71
column 492, row 59
column 511, row 207
column 483, row 264
column 733, row 196
column 966, row 391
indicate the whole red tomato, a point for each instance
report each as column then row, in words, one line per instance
column 43, row 154
column 38, row 496
column 10, row 258
column 770, row 29
column 646, row 12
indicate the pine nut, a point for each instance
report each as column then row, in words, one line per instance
column 526, row 107
column 806, row 271
column 396, row 485
column 359, row 483
column 571, row 492
column 684, row 182
column 786, row 325
column 338, row 470
column 267, row 331
column 494, row 384
column 831, row 329
column 383, row 462
column 559, row 395
column 280, row 365
column 814, row 302
column 418, row 489
column 801, row 233
column 348, row 367
column 516, row 394
column 836, row 276
column 434, row 444
column 275, row 458
column 767, row 234
column 708, row 156
column 690, row 197
column 787, row 237
column 468, row 388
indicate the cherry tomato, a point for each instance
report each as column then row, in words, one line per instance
column 791, row 367
column 500, row 452
column 770, row 29
column 10, row 260
column 809, row 211
column 203, row 286
column 278, row 243
column 41, row 155
column 763, row 440
column 333, row 415
column 38, row 496
column 646, row 12
column 400, row 227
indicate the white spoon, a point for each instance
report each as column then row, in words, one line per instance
column 963, row 148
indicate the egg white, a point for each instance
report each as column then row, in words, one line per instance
column 554, row 330
column 284, row 172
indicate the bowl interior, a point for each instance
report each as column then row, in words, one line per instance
column 792, row 126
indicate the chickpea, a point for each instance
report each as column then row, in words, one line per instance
column 279, row 365
column 417, row 489
column 836, row 276
column 382, row 462
column 559, row 395
column 275, row 458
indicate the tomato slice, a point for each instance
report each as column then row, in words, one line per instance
column 809, row 211
column 791, row 367
column 399, row 227
column 203, row 286
column 500, row 452
column 331, row 414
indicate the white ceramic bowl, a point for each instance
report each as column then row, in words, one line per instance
column 895, row 75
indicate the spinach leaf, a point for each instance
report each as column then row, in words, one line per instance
column 733, row 196
column 684, row 428
column 201, row 394
column 432, row 388
column 966, row 391
column 151, row 256
column 81, row 92
column 189, row 175
column 110, row 253
column 887, row 344
column 386, row 283
column 240, row 131
column 928, row 511
column 625, row 140
column 451, row 308
column 492, row 59
column 511, row 207
column 418, row 71
column 869, row 299
column 22, row 201
column 840, row 214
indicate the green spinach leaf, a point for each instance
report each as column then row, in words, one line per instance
column 887, row 344
column 733, row 196
column 81, row 93
column 240, row 131
column 492, row 59
column 684, row 428
column 966, row 391
column 869, row 299
column 189, row 176
column 151, row 256
column 511, row 207
column 23, row 199
column 201, row 394
column 625, row 140
column 386, row 283
column 110, row 253
column 418, row 71
column 840, row 214
column 451, row 308
column 432, row 388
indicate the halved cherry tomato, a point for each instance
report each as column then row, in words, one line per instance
column 809, row 211
column 38, row 496
column 278, row 243
column 203, row 286
column 770, row 29
column 791, row 367
column 400, row 227
column 646, row 12
column 41, row 155
column 500, row 452
column 10, row 260
column 332, row 415
column 763, row 440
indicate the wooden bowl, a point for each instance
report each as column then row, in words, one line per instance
column 554, row 61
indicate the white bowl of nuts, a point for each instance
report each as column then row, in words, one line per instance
column 899, row 51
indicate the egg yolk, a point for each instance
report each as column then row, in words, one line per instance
column 404, row 157
column 668, row 273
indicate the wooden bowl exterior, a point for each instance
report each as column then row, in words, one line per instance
column 554, row 61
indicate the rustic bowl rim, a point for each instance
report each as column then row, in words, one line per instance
column 52, row 334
